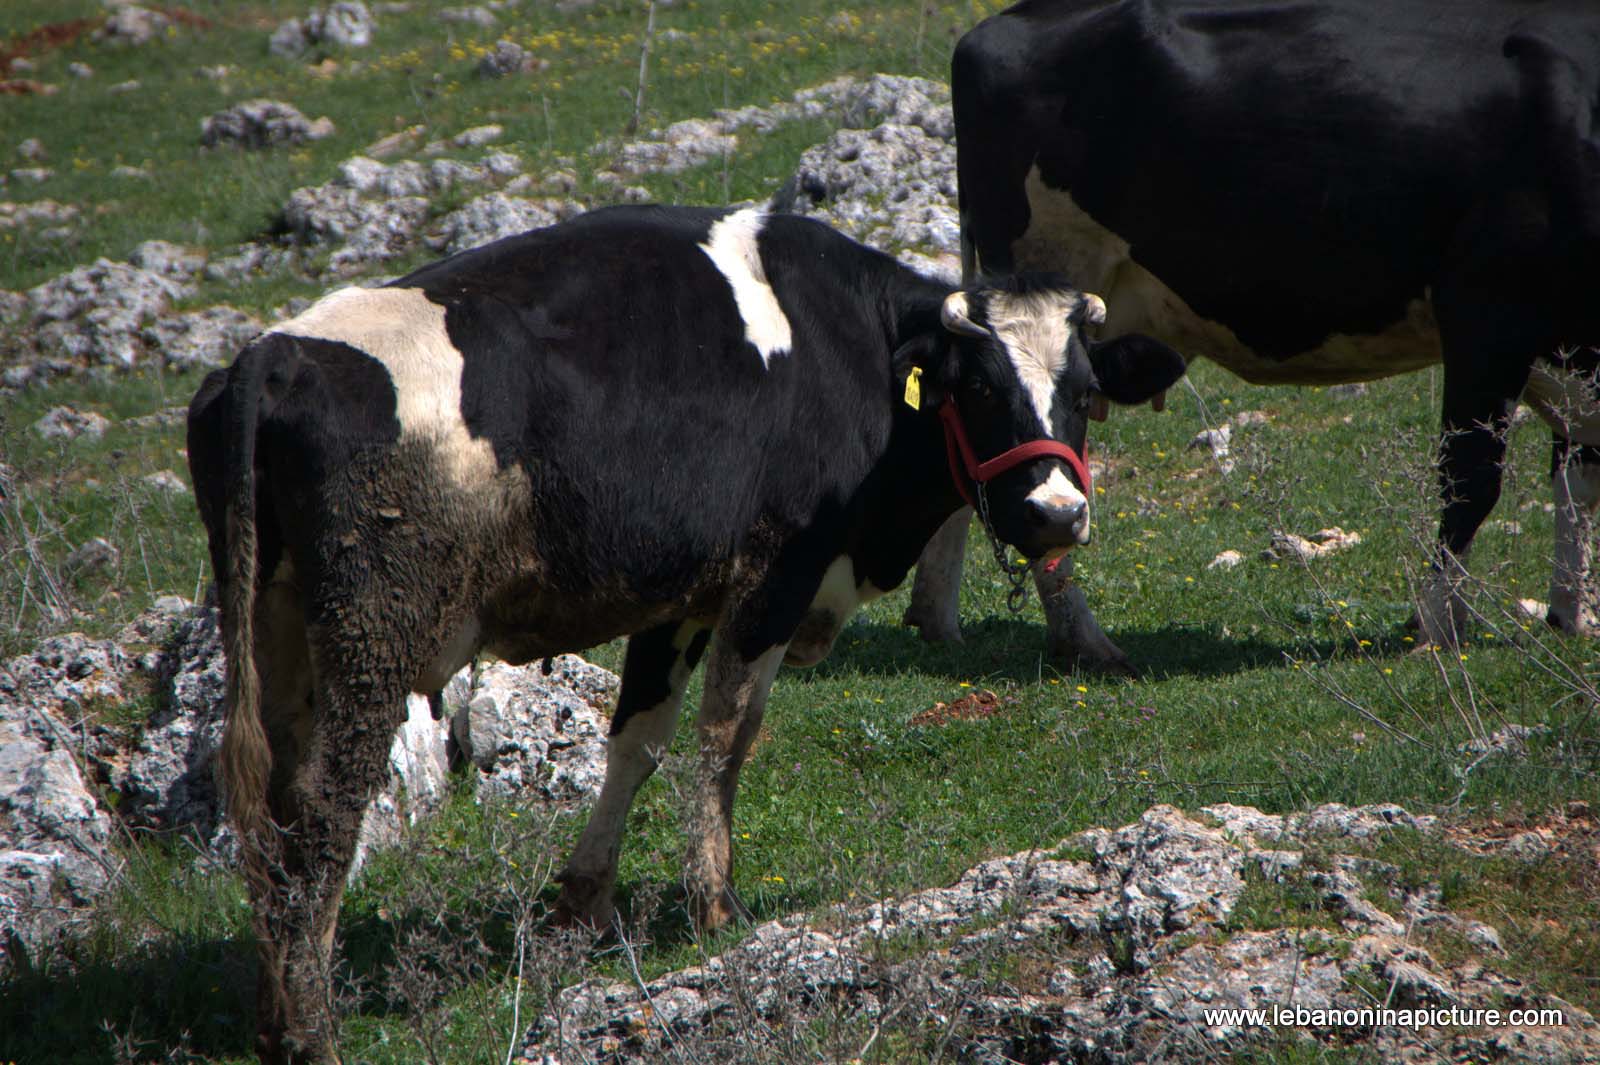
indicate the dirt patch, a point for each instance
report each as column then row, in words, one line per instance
column 1573, row 831
column 970, row 707
column 26, row 87
column 45, row 38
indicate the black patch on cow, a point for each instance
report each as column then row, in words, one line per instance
column 321, row 402
column 1296, row 171
column 646, row 673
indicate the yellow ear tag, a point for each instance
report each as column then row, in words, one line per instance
column 914, row 388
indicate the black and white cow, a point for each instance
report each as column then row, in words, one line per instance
column 660, row 422
column 1309, row 192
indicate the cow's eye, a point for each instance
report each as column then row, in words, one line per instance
column 977, row 386
column 1082, row 404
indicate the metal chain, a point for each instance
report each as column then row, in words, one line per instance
column 1016, row 572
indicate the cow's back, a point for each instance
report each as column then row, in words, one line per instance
column 1263, row 181
column 601, row 414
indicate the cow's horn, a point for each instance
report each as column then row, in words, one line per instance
column 1094, row 309
column 954, row 316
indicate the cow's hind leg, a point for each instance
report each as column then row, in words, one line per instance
column 654, row 675
column 1575, row 479
column 284, row 665
column 735, row 698
column 360, row 688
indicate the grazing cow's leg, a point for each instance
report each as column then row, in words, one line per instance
column 730, row 716
column 1472, row 448
column 1575, row 480
column 1072, row 633
column 935, row 608
column 654, row 675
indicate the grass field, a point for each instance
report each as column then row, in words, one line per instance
column 1272, row 684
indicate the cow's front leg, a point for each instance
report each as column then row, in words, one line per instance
column 654, row 675
column 1072, row 634
column 1471, row 453
column 935, row 608
column 730, row 715
column 1575, row 481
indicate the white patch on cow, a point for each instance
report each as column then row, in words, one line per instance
column 840, row 592
column 1061, row 236
column 1035, row 332
column 1577, row 496
column 838, row 597
column 1566, row 401
column 405, row 331
column 734, row 248
column 631, row 756
column 1059, row 493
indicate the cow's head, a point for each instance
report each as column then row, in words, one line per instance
column 1013, row 360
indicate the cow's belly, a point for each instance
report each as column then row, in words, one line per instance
column 838, row 597
column 1061, row 236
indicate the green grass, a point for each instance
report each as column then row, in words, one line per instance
column 1271, row 684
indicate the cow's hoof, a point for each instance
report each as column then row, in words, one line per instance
column 583, row 903
column 711, row 910
column 932, row 627
column 1102, row 661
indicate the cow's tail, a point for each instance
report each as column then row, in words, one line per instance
column 246, row 757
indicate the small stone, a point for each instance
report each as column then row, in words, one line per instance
column 261, row 123
column 504, row 59
column 396, row 143
column 131, row 85
column 130, row 24
column 94, row 556
column 32, row 150
column 80, row 70
column 471, row 16
column 1225, row 560
column 166, row 481
column 65, row 423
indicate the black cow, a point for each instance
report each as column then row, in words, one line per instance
column 648, row 421
column 1309, row 192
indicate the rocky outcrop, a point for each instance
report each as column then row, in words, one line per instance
column 530, row 732
column 67, row 782
column 347, row 24
column 1126, row 939
column 93, row 315
column 257, row 124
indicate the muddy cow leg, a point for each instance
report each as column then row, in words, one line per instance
column 935, row 608
column 283, row 663
column 1072, row 634
column 360, row 691
column 654, row 674
column 1575, row 481
column 737, row 683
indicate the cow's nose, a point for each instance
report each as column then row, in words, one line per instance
column 1066, row 516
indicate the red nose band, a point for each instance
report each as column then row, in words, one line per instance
column 965, row 467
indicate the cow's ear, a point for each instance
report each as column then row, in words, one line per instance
column 1133, row 368
column 930, row 353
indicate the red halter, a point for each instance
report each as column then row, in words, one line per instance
column 964, row 465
